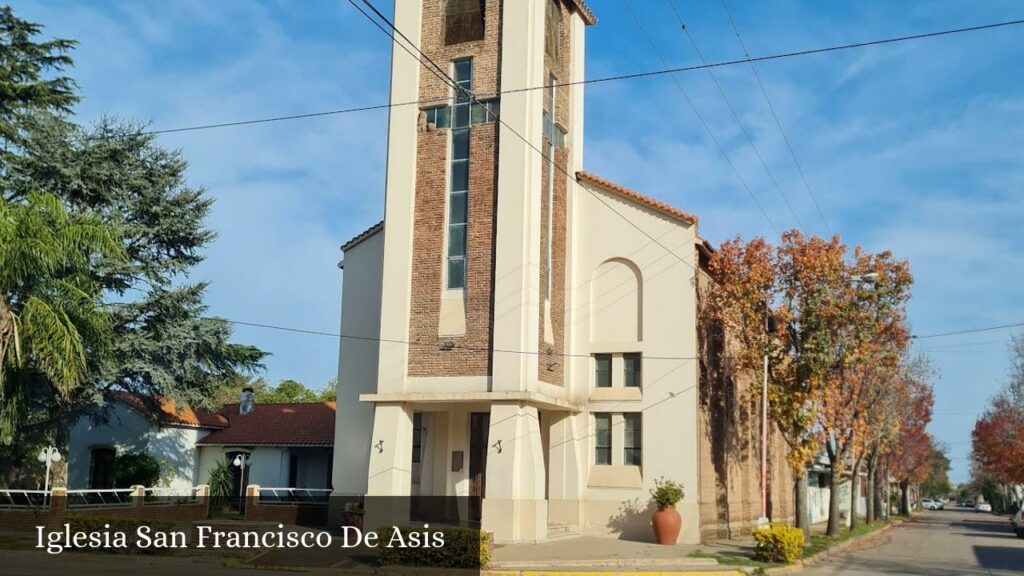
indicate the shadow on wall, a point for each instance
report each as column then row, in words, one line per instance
column 633, row 520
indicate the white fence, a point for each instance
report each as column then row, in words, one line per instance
column 293, row 495
column 111, row 498
column 23, row 498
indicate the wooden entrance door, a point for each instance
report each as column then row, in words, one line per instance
column 479, row 424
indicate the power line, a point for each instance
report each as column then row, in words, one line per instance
column 778, row 122
column 700, row 117
column 549, row 159
column 750, row 140
column 967, row 331
column 632, row 76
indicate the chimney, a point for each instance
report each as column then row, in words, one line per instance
column 247, row 402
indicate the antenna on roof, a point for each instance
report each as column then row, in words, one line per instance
column 247, row 403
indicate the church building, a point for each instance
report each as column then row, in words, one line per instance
column 519, row 330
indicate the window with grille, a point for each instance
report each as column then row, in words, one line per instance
column 631, row 368
column 602, row 439
column 463, row 21
column 458, row 190
column 632, row 439
column 603, row 370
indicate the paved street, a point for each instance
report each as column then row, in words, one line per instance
column 942, row 543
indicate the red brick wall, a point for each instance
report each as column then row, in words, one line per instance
column 551, row 366
column 470, row 357
column 54, row 516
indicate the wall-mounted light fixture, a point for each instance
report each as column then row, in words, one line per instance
column 446, row 346
column 379, row 446
column 497, row 446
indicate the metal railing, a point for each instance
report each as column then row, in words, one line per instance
column 294, row 495
column 169, row 496
column 100, row 498
column 23, row 498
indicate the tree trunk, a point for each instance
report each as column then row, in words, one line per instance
column 833, row 503
column 904, row 498
column 872, row 495
column 800, row 499
column 854, row 493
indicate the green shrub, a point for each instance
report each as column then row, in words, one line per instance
column 779, row 543
column 666, row 493
column 136, row 469
column 222, row 484
column 90, row 523
column 463, row 548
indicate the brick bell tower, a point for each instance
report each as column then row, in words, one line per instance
column 476, row 244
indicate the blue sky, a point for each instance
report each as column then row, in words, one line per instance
column 914, row 147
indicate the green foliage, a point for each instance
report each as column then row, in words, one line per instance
column 51, row 318
column 136, row 469
column 779, row 543
column 222, row 483
column 286, row 391
column 463, row 548
column 27, row 86
column 666, row 493
column 90, row 523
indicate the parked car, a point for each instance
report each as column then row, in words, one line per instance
column 983, row 507
column 968, row 504
column 932, row 504
column 1018, row 523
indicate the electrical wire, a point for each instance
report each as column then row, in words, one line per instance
column 732, row 109
column 631, row 76
column 778, row 123
column 700, row 118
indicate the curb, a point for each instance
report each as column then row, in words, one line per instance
column 831, row 551
column 711, row 572
column 653, row 563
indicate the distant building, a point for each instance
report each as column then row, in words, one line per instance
column 538, row 325
column 289, row 445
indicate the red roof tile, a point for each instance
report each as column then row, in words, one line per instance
column 588, row 16
column 169, row 412
column 293, row 424
column 638, row 197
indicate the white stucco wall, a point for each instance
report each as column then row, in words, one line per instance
column 358, row 363
column 632, row 294
column 128, row 431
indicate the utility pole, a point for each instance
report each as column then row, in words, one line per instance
column 769, row 325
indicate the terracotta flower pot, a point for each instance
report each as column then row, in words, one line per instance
column 666, row 523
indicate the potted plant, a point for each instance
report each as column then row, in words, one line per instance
column 666, row 521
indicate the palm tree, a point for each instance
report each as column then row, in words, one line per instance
column 51, row 314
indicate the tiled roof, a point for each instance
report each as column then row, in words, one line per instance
column 582, row 176
column 363, row 235
column 170, row 414
column 588, row 16
column 292, row 424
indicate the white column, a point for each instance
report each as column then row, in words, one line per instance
column 514, row 506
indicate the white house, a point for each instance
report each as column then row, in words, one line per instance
column 288, row 445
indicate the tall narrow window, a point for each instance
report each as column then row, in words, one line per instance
column 463, row 21
column 602, row 438
column 549, row 131
column 101, row 467
column 603, row 370
column 633, row 439
column 631, row 367
column 417, row 437
column 458, row 190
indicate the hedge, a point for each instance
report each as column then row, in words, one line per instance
column 463, row 548
column 779, row 543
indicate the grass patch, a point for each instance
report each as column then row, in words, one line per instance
column 729, row 559
column 820, row 542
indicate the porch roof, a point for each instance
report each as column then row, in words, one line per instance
column 536, row 398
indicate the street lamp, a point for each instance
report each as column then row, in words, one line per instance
column 240, row 462
column 49, row 456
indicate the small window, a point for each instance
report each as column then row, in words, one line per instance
column 101, row 468
column 633, row 439
column 484, row 112
column 552, row 28
column 438, row 116
column 463, row 21
column 603, row 370
column 602, row 439
column 631, row 366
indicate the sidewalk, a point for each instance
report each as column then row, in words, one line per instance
column 589, row 552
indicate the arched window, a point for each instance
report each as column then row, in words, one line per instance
column 552, row 28
column 463, row 21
